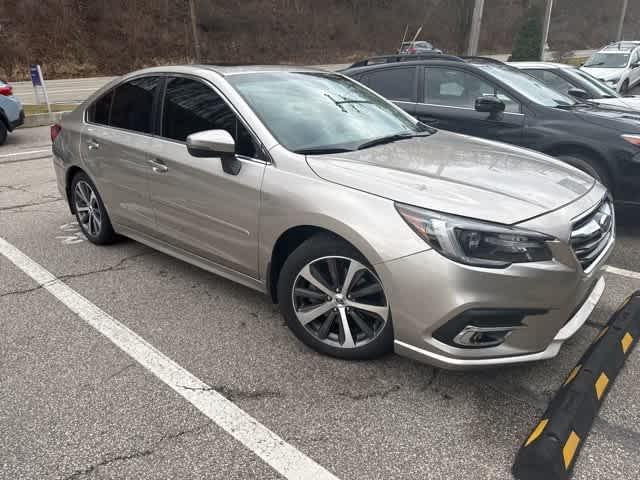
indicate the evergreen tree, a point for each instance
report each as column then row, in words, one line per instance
column 528, row 39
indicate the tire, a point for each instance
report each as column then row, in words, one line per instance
column 369, row 332
column 588, row 166
column 624, row 89
column 3, row 132
column 90, row 211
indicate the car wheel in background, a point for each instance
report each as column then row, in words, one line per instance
column 588, row 166
column 624, row 88
column 333, row 300
column 3, row 132
column 90, row 211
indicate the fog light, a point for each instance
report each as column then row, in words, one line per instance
column 482, row 327
column 472, row 336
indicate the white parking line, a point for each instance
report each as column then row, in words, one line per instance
column 15, row 154
column 622, row 272
column 282, row 457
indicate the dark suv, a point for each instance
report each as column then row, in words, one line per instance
column 489, row 99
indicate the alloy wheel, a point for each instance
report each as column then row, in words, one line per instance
column 340, row 301
column 88, row 209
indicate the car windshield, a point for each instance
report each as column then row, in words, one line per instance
column 608, row 60
column 596, row 88
column 309, row 112
column 528, row 86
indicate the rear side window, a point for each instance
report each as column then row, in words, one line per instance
column 394, row 83
column 133, row 104
column 191, row 106
column 99, row 111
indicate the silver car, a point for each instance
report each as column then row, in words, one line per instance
column 370, row 229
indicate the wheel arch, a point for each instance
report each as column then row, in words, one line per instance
column 583, row 152
column 286, row 243
column 72, row 171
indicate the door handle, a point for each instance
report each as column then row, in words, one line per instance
column 92, row 144
column 158, row 166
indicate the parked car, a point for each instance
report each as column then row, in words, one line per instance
column 487, row 98
column 11, row 112
column 618, row 65
column 372, row 230
column 577, row 83
column 419, row 46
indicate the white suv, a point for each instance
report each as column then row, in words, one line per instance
column 618, row 65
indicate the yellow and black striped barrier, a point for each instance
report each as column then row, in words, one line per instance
column 550, row 451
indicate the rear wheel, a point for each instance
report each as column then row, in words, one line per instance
column 3, row 132
column 589, row 166
column 90, row 211
column 333, row 301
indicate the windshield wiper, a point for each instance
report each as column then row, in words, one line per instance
column 391, row 138
column 321, row 150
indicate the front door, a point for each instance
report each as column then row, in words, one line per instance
column 200, row 207
column 448, row 102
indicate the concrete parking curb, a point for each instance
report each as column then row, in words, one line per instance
column 42, row 119
column 550, row 451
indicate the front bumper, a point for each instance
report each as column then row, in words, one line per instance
column 427, row 290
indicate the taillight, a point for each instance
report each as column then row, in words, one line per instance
column 6, row 90
column 412, row 50
column 633, row 139
column 55, row 131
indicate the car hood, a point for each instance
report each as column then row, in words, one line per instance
column 604, row 73
column 610, row 116
column 459, row 175
column 625, row 103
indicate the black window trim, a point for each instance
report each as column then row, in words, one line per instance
column 207, row 83
column 490, row 80
column 112, row 90
column 157, row 110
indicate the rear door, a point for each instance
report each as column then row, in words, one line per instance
column 448, row 98
column 114, row 145
column 199, row 207
column 398, row 84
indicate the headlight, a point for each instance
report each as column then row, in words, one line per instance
column 474, row 242
column 613, row 81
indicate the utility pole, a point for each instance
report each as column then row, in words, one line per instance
column 476, row 22
column 194, row 27
column 545, row 27
column 625, row 4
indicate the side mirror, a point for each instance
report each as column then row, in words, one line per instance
column 215, row 143
column 579, row 93
column 490, row 104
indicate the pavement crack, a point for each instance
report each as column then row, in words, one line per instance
column 117, row 267
column 123, row 457
column 33, row 204
column 119, row 372
column 233, row 394
column 377, row 393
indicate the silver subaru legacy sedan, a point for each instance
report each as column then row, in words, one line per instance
column 370, row 229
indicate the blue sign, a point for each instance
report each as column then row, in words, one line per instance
column 36, row 77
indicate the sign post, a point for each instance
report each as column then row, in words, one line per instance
column 39, row 86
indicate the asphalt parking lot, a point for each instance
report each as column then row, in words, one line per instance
column 75, row 406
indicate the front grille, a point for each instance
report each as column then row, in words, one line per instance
column 591, row 234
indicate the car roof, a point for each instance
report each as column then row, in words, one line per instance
column 541, row 65
column 226, row 70
column 618, row 48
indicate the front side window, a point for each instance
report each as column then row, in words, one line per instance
column 191, row 106
column 608, row 60
column 597, row 88
column 321, row 111
column 552, row 80
column 457, row 88
column 394, row 83
column 133, row 104
column 98, row 112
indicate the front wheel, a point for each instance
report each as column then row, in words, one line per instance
column 624, row 88
column 333, row 300
column 3, row 132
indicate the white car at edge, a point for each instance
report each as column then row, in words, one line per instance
column 618, row 65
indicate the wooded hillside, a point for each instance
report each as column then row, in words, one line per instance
column 106, row 37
